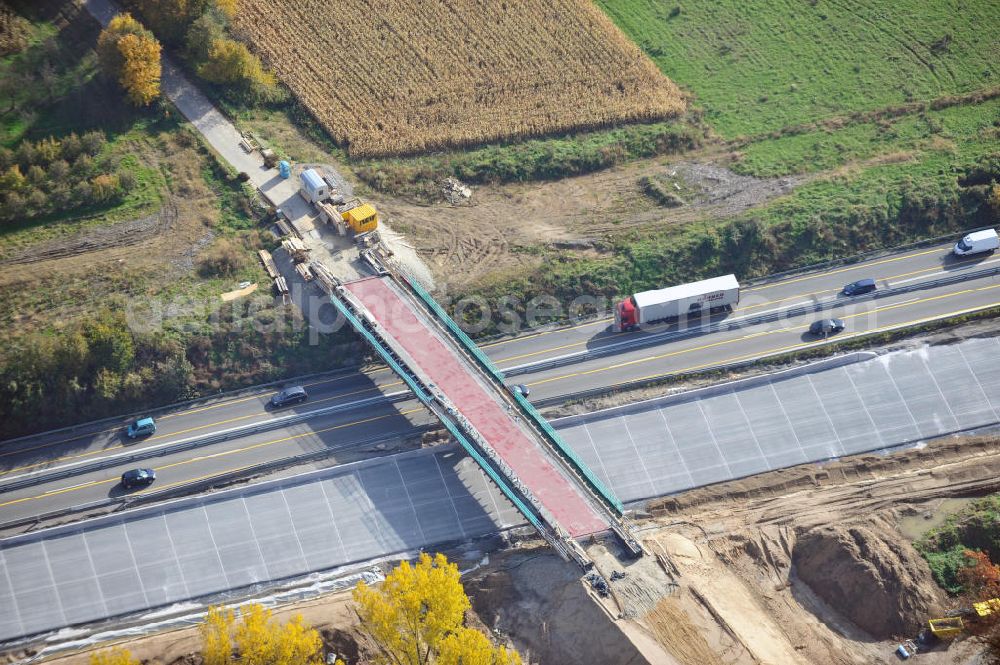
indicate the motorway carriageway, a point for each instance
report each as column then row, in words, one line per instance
column 342, row 427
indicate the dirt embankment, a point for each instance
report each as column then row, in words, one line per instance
column 870, row 574
column 807, row 565
column 539, row 601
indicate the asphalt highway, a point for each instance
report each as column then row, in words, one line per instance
column 923, row 265
column 359, row 419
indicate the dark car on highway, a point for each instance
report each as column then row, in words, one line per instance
column 825, row 327
column 859, row 287
column 289, row 396
column 138, row 478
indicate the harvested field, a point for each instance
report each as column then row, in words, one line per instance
column 408, row 77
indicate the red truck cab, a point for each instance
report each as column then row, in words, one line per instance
column 626, row 315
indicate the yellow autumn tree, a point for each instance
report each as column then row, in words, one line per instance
column 141, row 70
column 467, row 646
column 230, row 62
column 415, row 617
column 116, row 656
column 108, row 55
column 227, row 7
column 216, row 636
column 258, row 639
column 130, row 54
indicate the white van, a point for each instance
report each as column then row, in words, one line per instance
column 980, row 241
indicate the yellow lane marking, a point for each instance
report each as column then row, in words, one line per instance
column 212, row 456
column 737, row 310
column 771, row 351
column 818, row 342
column 175, row 415
column 183, row 431
column 523, row 338
column 844, row 269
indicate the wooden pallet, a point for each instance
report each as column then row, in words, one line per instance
column 304, row 271
column 268, row 261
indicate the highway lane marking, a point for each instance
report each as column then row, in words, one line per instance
column 183, row 431
column 845, row 269
column 175, row 415
column 769, row 332
column 688, row 369
column 748, row 290
column 826, row 341
column 524, row 338
column 626, row 336
column 94, row 483
column 492, row 344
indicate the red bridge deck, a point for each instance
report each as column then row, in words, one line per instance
column 453, row 376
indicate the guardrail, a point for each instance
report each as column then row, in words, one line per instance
column 723, row 326
column 122, row 420
column 777, row 276
column 728, row 367
column 126, row 502
column 189, row 444
column 486, row 459
column 604, row 497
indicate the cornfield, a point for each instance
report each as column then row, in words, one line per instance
column 390, row 77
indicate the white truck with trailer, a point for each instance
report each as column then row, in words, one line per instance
column 713, row 295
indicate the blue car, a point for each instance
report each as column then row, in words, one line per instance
column 141, row 427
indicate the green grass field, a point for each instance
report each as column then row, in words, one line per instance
column 757, row 67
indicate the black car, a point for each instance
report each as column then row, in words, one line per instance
column 825, row 327
column 138, row 478
column 289, row 396
column 521, row 389
column 859, row 287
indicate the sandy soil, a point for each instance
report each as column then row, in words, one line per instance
column 807, row 565
column 502, row 225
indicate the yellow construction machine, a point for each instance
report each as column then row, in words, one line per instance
column 949, row 627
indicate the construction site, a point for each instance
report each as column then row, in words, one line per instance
column 798, row 476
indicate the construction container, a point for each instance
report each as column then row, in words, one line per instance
column 361, row 219
column 314, row 189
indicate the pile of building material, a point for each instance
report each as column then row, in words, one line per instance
column 269, row 266
column 303, row 271
column 272, row 271
column 249, row 143
column 455, row 191
column 296, row 248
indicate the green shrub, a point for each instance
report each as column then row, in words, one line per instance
column 975, row 527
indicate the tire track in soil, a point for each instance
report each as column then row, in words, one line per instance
column 121, row 234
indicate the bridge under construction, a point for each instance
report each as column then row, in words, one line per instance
column 513, row 444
